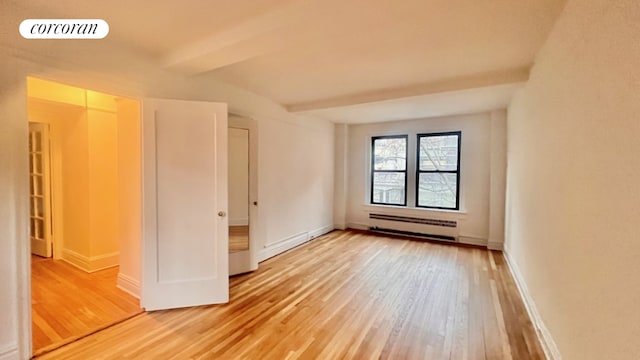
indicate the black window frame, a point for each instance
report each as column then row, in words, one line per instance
column 374, row 171
column 457, row 171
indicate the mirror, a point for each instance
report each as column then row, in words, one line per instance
column 238, row 190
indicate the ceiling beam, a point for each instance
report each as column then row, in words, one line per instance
column 265, row 33
column 517, row 75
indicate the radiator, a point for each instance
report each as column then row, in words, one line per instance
column 428, row 228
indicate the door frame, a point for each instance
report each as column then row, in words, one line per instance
column 22, row 193
column 238, row 121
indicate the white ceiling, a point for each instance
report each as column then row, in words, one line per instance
column 346, row 60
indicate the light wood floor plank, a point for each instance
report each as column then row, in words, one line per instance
column 67, row 303
column 238, row 238
column 346, row 295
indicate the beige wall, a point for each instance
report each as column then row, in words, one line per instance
column 573, row 214
column 129, row 195
column 103, row 185
column 75, row 187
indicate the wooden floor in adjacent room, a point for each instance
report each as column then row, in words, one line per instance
column 67, row 303
column 344, row 295
column 238, row 238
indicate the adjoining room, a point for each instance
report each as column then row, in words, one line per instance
column 84, row 185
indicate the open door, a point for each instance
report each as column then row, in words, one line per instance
column 185, row 225
column 40, row 190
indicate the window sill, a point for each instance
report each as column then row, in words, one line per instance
column 459, row 214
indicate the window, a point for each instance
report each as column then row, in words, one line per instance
column 389, row 170
column 438, row 171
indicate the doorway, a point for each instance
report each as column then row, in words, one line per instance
column 243, row 202
column 85, row 211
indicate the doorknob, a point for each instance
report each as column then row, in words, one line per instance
column 222, row 213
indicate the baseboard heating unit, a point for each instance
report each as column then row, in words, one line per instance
column 413, row 234
column 421, row 228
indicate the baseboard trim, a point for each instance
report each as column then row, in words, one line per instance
column 283, row 245
column 495, row 245
column 544, row 336
column 128, row 285
column 321, row 231
column 9, row 352
column 90, row 264
column 290, row 242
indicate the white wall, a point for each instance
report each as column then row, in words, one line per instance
column 573, row 213
column 497, row 179
column 238, row 177
column 13, row 209
column 295, row 161
column 475, row 171
column 341, row 180
column 296, row 152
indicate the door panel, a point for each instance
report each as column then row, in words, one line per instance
column 40, row 189
column 185, row 240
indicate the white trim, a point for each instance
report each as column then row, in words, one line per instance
column 321, row 231
column 340, row 226
column 292, row 238
column 290, row 242
column 544, row 336
column 283, row 245
column 9, row 352
column 495, row 245
column 90, row 263
column 128, row 285
column 239, row 221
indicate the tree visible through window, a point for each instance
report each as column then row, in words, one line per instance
column 438, row 170
column 389, row 170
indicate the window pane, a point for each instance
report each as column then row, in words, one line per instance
column 437, row 190
column 390, row 154
column 439, row 152
column 388, row 188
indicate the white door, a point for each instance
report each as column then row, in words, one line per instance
column 40, row 189
column 185, row 239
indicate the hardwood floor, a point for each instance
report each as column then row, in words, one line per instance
column 67, row 303
column 238, row 238
column 344, row 295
